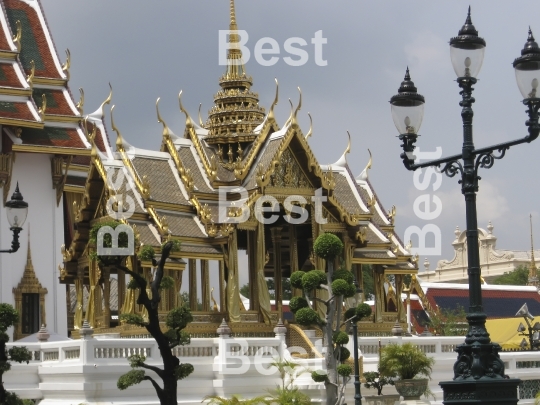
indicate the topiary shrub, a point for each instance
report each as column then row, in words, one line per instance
column 166, row 283
column 343, row 274
column 328, row 246
column 363, row 311
column 340, row 338
column 344, row 370
column 319, row 376
column 344, row 353
column 146, row 253
column 340, row 287
column 307, row 317
column 297, row 303
column 296, row 279
column 313, row 280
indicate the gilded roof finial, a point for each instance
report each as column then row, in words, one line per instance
column 533, row 277
column 17, row 37
column 119, row 139
column 274, row 103
column 80, row 104
column 29, row 253
column 106, row 101
column 166, row 130
column 189, row 122
column 43, row 107
column 299, row 107
column 364, row 175
column 200, row 117
column 233, row 25
column 67, row 64
column 310, row 132
column 289, row 120
column 30, row 77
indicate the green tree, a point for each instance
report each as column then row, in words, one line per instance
column 176, row 321
column 449, row 322
column 367, row 281
column 9, row 317
column 184, row 298
column 519, row 276
column 339, row 285
column 285, row 283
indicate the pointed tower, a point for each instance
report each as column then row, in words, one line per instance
column 29, row 300
column 236, row 112
column 533, row 274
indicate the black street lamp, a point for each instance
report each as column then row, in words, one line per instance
column 532, row 332
column 357, row 394
column 478, row 372
column 17, row 210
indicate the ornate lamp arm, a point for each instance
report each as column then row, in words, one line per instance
column 15, row 242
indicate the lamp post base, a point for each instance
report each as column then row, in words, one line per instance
column 493, row 392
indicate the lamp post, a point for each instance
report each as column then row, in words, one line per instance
column 357, row 394
column 17, row 210
column 478, row 372
column 532, row 332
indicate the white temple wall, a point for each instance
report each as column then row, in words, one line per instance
column 86, row 371
column 45, row 218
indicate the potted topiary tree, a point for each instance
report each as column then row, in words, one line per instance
column 407, row 362
column 375, row 380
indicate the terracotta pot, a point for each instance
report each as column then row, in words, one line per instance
column 411, row 389
column 381, row 399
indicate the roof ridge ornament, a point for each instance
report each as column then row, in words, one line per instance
column 189, row 122
column 17, row 37
column 310, row 132
column 67, row 64
column 166, row 129
column 364, row 175
column 298, row 108
column 275, row 102
column 200, row 117
column 80, row 104
column 119, row 139
column 106, row 101
column 43, row 107
column 342, row 161
column 290, row 115
column 30, row 77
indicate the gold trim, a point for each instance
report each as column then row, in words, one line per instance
column 62, row 118
column 74, row 189
column 51, row 149
column 12, row 55
column 13, row 91
column 49, row 81
column 22, row 123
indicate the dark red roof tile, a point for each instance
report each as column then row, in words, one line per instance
column 52, row 136
column 20, row 111
column 8, row 76
column 34, row 42
column 56, row 101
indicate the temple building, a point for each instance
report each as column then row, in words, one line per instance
column 237, row 181
column 494, row 262
column 46, row 149
column 175, row 193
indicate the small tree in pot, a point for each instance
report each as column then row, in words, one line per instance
column 375, row 380
column 406, row 362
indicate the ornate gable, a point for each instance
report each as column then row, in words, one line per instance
column 288, row 173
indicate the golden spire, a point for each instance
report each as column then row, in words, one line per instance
column 236, row 111
column 29, row 264
column 533, row 278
